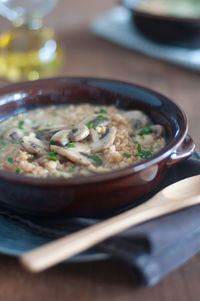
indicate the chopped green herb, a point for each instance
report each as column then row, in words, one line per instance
column 145, row 131
column 73, row 124
column 10, row 160
column 101, row 117
column 26, row 133
column 52, row 156
column 144, row 154
column 151, row 149
column 20, row 124
column 97, row 159
column 126, row 155
column 101, row 111
column 18, row 170
column 41, row 130
column 72, row 169
column 15, row 142
column 139, row 148
column 51, row 141
column 89, row 125
column 71, row 145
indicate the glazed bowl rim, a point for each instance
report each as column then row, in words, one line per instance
column 188, row 20
column 165, row 153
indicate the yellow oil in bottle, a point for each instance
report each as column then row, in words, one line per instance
column 27, row 54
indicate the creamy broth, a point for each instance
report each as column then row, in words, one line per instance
column 72, row 140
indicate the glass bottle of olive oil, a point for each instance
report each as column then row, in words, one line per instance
column 29, row 51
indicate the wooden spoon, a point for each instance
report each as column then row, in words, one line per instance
column 177, row 196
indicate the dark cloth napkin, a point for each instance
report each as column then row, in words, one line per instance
column 152, row 249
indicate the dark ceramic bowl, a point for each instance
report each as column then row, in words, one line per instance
column 96, row 194
column 178, row 31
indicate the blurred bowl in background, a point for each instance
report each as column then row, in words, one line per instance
column 180, row 26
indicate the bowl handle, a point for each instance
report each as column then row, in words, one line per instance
column 183, row 152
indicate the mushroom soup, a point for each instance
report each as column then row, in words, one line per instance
column 176, row 8
column 71, row 140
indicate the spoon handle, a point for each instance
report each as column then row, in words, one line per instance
column 63, row 248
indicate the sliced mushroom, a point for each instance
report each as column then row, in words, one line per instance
column 33, row 145
column 42, row 159
column 13, row 134
column 157, row 130
column 47, row 133
column 61, row 137
column 103, row 142
column 79, row 132
column 138, row 118
column 78, row 154
column 145, row 139
column 96, row 120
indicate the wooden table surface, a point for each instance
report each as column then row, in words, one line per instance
column 88, row 55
